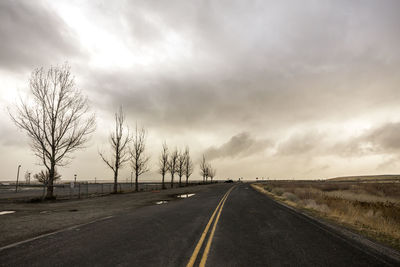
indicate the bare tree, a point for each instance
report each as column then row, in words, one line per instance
column 139, row 160
column 188, row 165
column 43, row 177
column 28, row 177
column 211, row 173
column 163, row 163
column 204, row 168
column 208, row 166
column 172, row 165
column 180, row 166
column 55, row 119
column 119, row 141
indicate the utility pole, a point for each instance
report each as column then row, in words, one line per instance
column 16, row 184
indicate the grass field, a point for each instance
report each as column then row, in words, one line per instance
column 368, row 178
column 372, row 208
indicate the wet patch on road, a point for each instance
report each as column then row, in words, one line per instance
column 185, row 195
column 4, row 212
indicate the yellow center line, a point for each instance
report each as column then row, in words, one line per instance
column 204, row 234
column 210, row 238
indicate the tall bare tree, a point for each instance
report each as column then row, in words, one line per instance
column 163, row 163
column 172, row 165
column 180, row 166
column 56, row 118
column 211, row 173
column 207, row 172
column 119, row 141
column 204, row 168
column 139, row 161
column 188, row 165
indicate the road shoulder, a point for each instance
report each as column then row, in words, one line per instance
column 34, row 219
column 336, row 229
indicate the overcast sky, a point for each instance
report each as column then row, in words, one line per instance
column 279, row 89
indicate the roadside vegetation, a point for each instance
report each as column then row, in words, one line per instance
column 372, row 208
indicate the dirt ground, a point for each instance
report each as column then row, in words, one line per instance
column 33, row 219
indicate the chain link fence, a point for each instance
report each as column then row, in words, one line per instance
column 76, row 190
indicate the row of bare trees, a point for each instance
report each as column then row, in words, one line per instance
column 125, row 148
column 176, row 162
column 58, row 122
column 206, row 170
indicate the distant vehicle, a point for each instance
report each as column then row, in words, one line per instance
column 229, row 181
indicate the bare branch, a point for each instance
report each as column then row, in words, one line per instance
column 139, row 161
column 119, row 141
column 204, row 168
column 188, row 169
column 55, row 119
column 172, row 165
column 163, row 163
column 180, row 166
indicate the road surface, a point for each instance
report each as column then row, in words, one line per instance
column 225, row 225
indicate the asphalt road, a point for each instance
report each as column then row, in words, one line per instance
column 251, row 230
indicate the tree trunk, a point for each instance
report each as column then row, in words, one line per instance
column 162, row 182
column 136, row 183
column 180, row 180
column 115, row 182
column 50, row 187
column 172, row 181
column 187, row 178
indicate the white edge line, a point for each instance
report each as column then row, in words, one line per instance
column 52, row 233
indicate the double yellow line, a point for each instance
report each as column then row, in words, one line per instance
column 196, row 251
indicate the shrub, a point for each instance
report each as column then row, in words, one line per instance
column 290, row 196
column 277, row 191
column 269, row 189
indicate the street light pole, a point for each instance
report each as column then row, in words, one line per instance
column 16, row 184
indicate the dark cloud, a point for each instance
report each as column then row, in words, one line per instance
column 32, row 35
column 379, row 140
column 384, row 139
column 240, row 145
column 257, row 64
column 300, row 143
column 269, row 68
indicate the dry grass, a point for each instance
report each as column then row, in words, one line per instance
column 372, row 208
